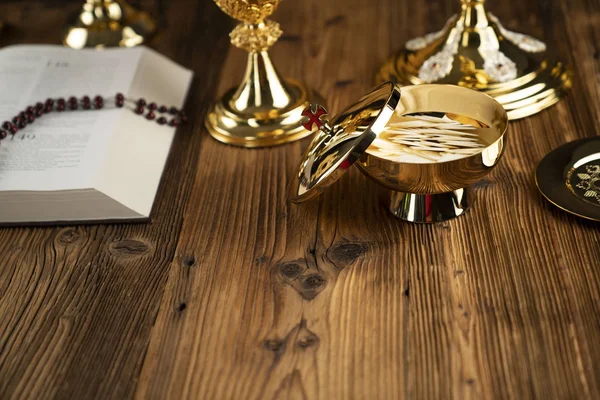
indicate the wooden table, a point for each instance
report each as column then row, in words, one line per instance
column 231, row 293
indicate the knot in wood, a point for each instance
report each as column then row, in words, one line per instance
column 312, row 282
column 291, row 270
column 189, row 261
column 273, row 345
column 69, row 236
column 129, row 247
column 307, row 342
column 344, row 254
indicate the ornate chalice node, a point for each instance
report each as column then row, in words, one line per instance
column 108, row 23
column 426, row 144
column 265, row 110
column 475, row 50
column 569, row 177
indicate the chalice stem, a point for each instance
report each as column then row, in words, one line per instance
column 474, row 14
column 262, row 89
column 265, row 109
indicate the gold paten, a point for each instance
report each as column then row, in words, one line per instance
column 475, row 50
column 265, row 110
column 108, row 23
column 421, row 192
column 569, row 178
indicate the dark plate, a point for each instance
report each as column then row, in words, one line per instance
column 569, row 177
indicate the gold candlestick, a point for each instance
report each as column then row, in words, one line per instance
column 265, row 110
column 475, row 50
column 108, row 23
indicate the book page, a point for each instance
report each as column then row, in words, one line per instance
column 60, row 150
column 139, row 148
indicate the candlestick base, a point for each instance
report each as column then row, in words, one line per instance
column 108, row 24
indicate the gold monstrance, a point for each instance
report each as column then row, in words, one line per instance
column 108, row 23
column 265, row 110
column 475, row 50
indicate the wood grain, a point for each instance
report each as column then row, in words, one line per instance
column 233, row 293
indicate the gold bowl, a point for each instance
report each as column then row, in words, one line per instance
column 426, row 144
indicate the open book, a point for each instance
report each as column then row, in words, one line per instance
column 84, row 166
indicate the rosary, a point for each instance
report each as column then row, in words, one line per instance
column 163, row 115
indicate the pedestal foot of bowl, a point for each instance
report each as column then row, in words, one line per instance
column 430, row 208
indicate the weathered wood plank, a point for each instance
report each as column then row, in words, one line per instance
column 233, row 293
column 77, row 304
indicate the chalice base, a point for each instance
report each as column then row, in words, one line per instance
column 537, row 89
column 123, row 27
column 271, row 128
column 474, row 50
column 429, row 208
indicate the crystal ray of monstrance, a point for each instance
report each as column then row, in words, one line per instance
column 475, row 50
column 108, row 23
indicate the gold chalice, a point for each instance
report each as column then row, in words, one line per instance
column 476, row 51
column 108, row 23
column 265, row 110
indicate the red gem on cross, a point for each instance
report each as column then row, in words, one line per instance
column 314, row 117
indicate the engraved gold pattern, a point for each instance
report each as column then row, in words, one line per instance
column 248, row 11
column 255, row 37
column 590, row 182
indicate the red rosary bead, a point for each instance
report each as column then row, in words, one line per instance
column 72, row 103
column 98, row 102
